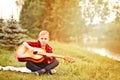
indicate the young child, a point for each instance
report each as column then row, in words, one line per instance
column 49, row 63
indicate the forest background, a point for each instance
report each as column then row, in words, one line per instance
column 73, row 25
column 84, row 22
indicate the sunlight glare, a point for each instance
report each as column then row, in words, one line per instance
column 8, row 8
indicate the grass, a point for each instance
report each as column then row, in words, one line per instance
column 88, row 66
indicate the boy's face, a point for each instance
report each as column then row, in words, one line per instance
column 43, row 39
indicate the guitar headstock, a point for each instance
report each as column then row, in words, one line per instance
column 69, row 59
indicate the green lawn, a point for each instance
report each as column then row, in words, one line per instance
column 88, row 66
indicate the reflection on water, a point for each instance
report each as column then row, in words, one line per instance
column 104, row 52
column 110, row 49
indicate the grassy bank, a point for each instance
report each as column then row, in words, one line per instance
column 88, row 66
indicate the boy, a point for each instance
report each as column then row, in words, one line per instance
column 49, row 63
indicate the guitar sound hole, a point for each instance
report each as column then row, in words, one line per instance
column 35, row 52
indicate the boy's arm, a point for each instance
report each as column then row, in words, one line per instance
column 58, row 56
column 33, row 49
column 28, row 46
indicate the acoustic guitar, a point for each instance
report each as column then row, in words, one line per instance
column 23, row 54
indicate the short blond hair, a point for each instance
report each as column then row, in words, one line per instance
column 43, row 32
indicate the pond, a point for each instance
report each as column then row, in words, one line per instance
column 110, row 49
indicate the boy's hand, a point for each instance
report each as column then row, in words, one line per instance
column 31, row 49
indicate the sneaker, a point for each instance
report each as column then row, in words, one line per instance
column 52, row 71
column 39, row 72
column 36, row 73
column 0, row 67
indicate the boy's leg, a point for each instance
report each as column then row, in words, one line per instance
column 52, row 65
column 37, row 68
column 41, row 68
column 32, row 66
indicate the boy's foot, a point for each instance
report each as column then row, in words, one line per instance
column 52, row 71
column 42, row 71
column 39, row 72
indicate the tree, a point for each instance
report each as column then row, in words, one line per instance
column 62, row 18
column 32, row 16
column 13, row 34
column 100, row 11
column 117, row 10
column 1, row 29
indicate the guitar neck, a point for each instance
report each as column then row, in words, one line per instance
column 51, row 55
column 59, row 56
column 43, row 53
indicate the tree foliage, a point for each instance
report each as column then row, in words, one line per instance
column 1, row 29
column 11, row 33
column 100, row 11
column 32, row 16
column 60, row 17
column 64, row 17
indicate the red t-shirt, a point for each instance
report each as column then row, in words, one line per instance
column 48, row 49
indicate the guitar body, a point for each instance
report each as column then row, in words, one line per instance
column 23, row 55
